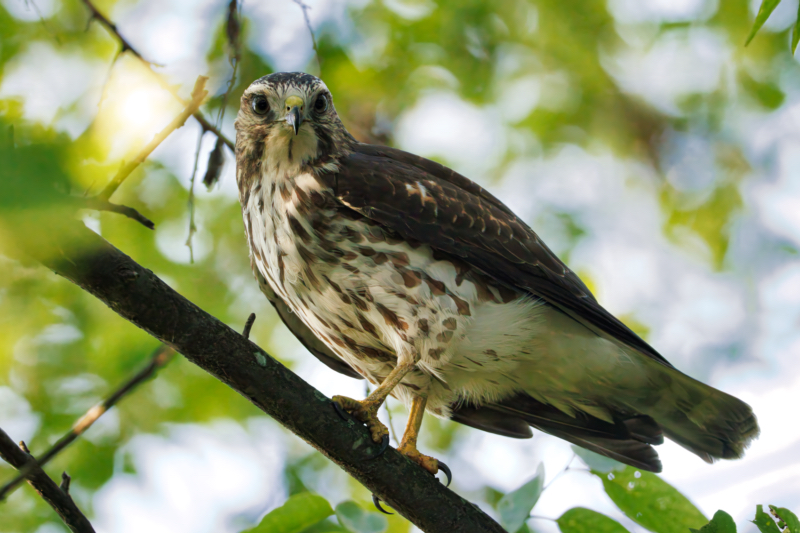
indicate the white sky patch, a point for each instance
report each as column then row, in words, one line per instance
column 680, row 62
column 660, row 11
column 216, row 479
column 22, row 10
column 469, row 138
column 17, row 418
column 171, row 238
column 50, row 80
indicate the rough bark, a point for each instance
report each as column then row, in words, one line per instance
column 137, row 295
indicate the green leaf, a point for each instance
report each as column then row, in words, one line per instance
column 581, row 520
column 766, row 9
column 357, row 520
column 764, row 521
column 515, row 507
column 721, row 523
column 650, row 501
column 796, row 34
column 787, row 517
column 597, row 462
column 299, row 512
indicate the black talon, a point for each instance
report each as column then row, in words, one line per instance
column 382, row 449
column 377, row 502
column 446, row 469
column 339, row 410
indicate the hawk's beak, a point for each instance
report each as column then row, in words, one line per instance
column 295, row 115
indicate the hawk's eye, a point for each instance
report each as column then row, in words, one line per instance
column 321, row 105
column 260, row 105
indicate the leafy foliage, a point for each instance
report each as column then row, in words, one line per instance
column 581, row 520
column 297, row 514
column 650, row 501
column 515, row 507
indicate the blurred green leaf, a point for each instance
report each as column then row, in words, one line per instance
column 650, row 501
column 766, row 9
column 597, row 462
column 582, row 520
column 298, row 513
column 353, row 517
column 796, row 30
column 721, row 523
column 768, row 94
column 787, row 517
column 764, row 521
column 515, row 507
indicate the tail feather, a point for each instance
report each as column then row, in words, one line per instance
column 708, row 422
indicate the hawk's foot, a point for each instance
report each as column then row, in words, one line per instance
column 365, row 411
column 428, row 463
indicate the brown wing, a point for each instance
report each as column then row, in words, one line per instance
column 427, row 202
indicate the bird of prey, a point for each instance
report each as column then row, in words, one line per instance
column 394, row 268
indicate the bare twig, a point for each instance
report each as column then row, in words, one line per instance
column 305, row 7
column 110, row 26
column 160, row 358
column 96, row 15
column 43, row 22
column 216, row 158
column 99, row 204
column 198, row 95
column 59, row 499
column 248, row 325
column 190, row 201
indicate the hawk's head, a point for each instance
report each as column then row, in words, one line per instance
column 287, row 120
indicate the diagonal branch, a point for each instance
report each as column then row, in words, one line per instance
column 112, row 28
column 198, row 95
column 137, row 295
column 160, row 358
column 58, row 498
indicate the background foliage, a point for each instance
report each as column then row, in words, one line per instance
column 653, row 151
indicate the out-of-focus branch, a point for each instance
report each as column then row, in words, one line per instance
column 58, row 498
column 198, row 95
column 305, row 7
column 136, row 294
column 126, row 46
column 98, row 204
column 160, row 358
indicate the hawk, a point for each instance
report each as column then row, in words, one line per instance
column 394, row 268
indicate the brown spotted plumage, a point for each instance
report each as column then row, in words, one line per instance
column 395, row 268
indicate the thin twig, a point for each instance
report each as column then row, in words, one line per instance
column 99, row 204
column 248, row 325
column 391, row 425
column 216, row 159
column 198, row 95
column 59, row 500
column 52, row 34
column 110, row 26
column 305, row 7
column 190, row 201
column 159, row 358
column 96, row 15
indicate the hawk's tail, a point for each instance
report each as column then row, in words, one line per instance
column 706, row 421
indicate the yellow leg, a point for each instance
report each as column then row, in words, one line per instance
column 408, row 446
column 367, row 410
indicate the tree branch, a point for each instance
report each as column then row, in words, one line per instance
column 59, row 499
column 198, row 95
column 137, row 295
column 160, row 358
column 112, row 28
